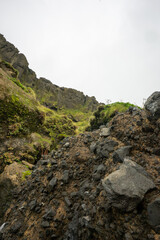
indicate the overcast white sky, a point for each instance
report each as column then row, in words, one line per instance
column 109, row 49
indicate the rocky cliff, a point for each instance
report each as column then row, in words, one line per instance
column 103, row 184
column 47, row 93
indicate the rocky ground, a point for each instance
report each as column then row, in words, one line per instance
column 103, row 184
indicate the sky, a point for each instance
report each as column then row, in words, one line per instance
column 109, row 49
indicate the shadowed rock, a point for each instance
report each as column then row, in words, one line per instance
column 154, row 213
column 121, row 153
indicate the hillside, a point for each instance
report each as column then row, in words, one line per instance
column 103, row 184
column 27, row 129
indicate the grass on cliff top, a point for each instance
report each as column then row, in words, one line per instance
column 109, row 109
column 105, row 113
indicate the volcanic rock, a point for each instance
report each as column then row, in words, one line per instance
column 154, row 213
column 121, row 153
column 152, row 105
column 127, row 186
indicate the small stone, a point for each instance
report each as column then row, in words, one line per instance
column 50, row 176
column 84, row 207
column 93, row 147
column 77, row 154
column 45, row 224
column 66, row 145
column 16, row 226
column 128, row 236
column 33, row 204
column 49, row 214
column 52, row 183
column 87, row 218
column 67, row 201
column 105, row 132
column 65, row 176
column 121, row 153
column 101, row 168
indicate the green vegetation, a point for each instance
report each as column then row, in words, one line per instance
column 58, row 127
column 79, row 116
column 29, row 128
column 6, row 65
column 19, row 84
column 105, row 113
column 25, row 174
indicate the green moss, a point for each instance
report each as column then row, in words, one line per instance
column 57, row 127
column 7, row 65
column 19, row 84
column 25, row 174
column 79, row 116
column 19, row 116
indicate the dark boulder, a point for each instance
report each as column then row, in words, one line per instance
column 152, row 106
column 153, row 210
column 127, row 186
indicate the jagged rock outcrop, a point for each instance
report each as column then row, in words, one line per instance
column 152, row 105
column 47, row 93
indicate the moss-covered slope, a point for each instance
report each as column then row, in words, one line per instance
column 27, row 129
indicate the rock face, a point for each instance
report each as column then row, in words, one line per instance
column 152, row 105
column 127, row 186
column 47, row 93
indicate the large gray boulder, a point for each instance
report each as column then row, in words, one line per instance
column 127, row 186
column 152, row 105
